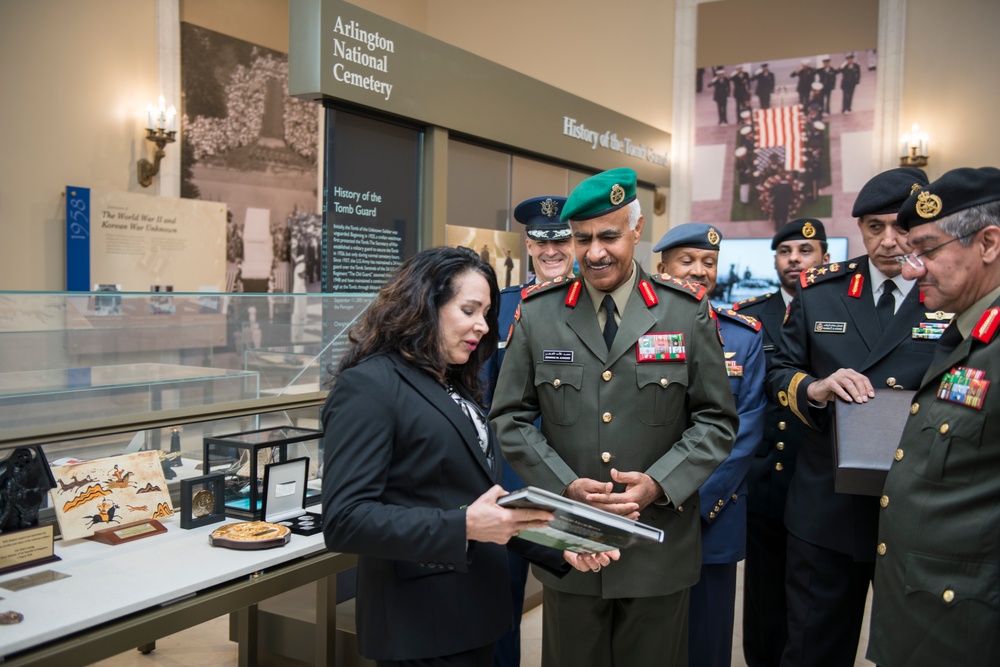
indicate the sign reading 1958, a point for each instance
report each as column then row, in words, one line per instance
column 78, row 239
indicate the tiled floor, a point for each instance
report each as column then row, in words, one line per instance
column 207, row 645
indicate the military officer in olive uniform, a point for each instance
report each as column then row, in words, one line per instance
column 627, row 372
column 851, row 326
column 691, row 252
column 551, row 250
column 799, row 245
column 937, row 591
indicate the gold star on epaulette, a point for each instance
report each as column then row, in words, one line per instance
column 811, row 278
column 822, row 270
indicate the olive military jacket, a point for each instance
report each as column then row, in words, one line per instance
column 671, row 416
column 937, row 576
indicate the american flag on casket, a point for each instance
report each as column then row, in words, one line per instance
column 781, row 127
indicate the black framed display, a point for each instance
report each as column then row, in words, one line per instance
column 203, row 500
column 285, row 497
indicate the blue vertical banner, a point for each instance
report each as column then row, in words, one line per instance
column 77, row 239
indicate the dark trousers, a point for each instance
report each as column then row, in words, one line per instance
column 765, row 627
column 588, row 631
column 848, row 99
column 721, row 106
column 508, row 648
column 713, row 606
column 479, row 657
column 826, row 593
column 765, row 100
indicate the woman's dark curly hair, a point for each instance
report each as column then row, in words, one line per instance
column 404, row 317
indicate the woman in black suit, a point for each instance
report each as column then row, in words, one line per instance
column 412, row 470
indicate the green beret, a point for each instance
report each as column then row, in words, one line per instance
column 955, row 191
column 599, row 195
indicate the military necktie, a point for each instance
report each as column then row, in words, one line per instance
column 886, row 306
column 610, row 326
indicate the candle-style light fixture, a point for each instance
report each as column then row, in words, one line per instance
column 161, row 129
column 913, row 151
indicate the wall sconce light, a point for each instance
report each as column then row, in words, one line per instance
column 913, row 152
column 161, row 129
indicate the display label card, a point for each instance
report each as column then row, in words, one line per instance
column 23, row 548
column 32, row 580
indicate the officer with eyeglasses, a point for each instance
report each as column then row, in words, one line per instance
column 851, row 327
column 937, row 588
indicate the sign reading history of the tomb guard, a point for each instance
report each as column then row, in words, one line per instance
column 340, row 51
column 137, row 242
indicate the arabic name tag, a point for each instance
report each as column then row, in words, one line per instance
column 964, row 386
column 667, row 346
column 558, row 356
column 830, row 327
column 928, row 330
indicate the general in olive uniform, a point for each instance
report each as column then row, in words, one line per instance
column 799, row 245
column 691, row 252
column 937, row 588
column 850, row 327
column 628, row 375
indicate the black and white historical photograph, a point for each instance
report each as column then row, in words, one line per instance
column 248, row 144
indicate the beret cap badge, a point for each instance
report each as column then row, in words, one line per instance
column 928, row 205
column 915, row 187
column 617, row 194
column 713, row 237
column 808, row 231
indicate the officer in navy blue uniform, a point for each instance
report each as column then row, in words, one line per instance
column 551, row 250
column 799, row 245
column 852, row 326
column 691, row 252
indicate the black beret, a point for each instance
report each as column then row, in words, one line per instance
column 808, row 229
column 886, row 192
column 955, row 191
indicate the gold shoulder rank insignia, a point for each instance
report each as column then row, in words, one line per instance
column 694, row 289
column 531, row 291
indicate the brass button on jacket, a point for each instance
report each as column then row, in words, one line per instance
column 944, row 428
column 556, row 382
column 914, row 408
column 606, row 417
column 780, row 446
column 882, row 548
column 948, row 595
column 606, row 457
column 664, row 382
column 884, row 501
column 898, row 455
column 778, row 466
column 606, row 376
column 782, row 426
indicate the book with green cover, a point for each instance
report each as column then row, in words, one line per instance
column 578, row 527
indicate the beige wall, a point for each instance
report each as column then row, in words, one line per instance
column 77, row 77
column 617, row 54
column 950, row 83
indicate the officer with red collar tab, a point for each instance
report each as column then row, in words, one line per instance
column 850, row 327
column 627, row 373
column 937, row 589
column 691, row 252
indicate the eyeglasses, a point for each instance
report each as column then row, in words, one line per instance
column 913, row 259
